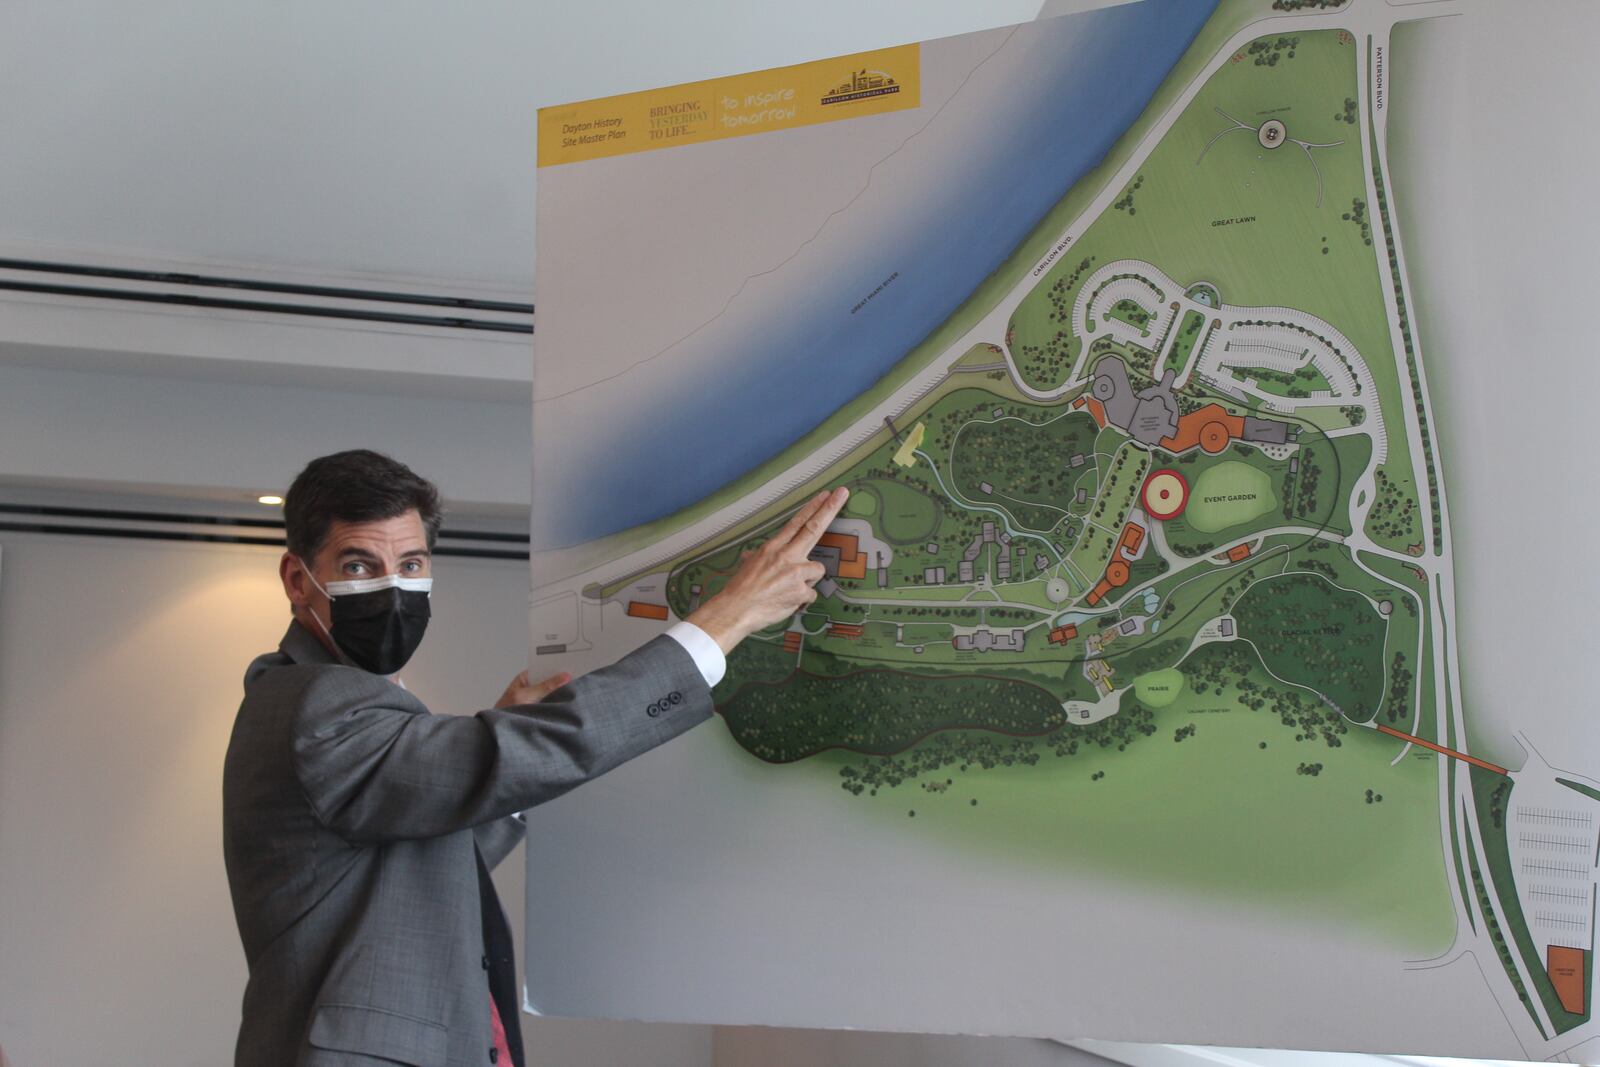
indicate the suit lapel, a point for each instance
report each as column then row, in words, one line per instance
column 302, row 646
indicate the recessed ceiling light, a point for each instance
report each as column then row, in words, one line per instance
column 271, row 499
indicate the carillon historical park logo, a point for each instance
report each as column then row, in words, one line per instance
column 862, row 85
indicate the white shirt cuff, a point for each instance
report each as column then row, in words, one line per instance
column 704, row 651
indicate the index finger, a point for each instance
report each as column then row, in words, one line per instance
column 786, row 533
column 816, row 524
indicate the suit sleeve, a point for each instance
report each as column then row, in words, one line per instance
column 374, row 772
column 497, row 837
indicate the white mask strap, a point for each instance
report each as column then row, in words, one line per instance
column 307, row 568
column 313, row 611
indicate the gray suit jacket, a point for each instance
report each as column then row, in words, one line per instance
column 351, row 815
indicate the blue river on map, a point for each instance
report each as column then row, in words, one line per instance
column 1064, row 119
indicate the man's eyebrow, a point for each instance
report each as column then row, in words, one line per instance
column 357, row 553
column 423, row 552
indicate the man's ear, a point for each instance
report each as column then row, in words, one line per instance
column 296, row 586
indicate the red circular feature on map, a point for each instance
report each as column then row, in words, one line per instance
column 1165, row 494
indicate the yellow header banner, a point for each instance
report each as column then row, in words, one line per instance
column 868, row 83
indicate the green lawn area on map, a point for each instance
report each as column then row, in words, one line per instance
column 1010, row 644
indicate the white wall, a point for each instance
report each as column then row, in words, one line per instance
column 117, row 667
column 158, row 433
column 120, row 662
column 761, row 1047
column 120, row 671
column 280, row 139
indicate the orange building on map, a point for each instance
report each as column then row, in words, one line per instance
column 1062, row 634
column 845, row 629
column 1566, row 967
column 1097, row 410
column 641, row 609
column 1211, row 427
column 852, row 561
column 1117, row 571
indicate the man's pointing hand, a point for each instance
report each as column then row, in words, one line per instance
column 774, row 581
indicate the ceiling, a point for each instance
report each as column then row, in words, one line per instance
column 362, row 139
column 368, row 144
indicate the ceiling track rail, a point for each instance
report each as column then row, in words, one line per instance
column 181, row 527
column 182, row 289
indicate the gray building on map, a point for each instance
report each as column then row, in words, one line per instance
column 1151, row 414
column 1265, row 431
column 1147, row 415
column 829, row 556
column 990, row 640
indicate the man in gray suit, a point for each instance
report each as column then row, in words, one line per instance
column 359, row 829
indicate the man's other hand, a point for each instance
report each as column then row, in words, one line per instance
column 774, row 581
column 522, row 691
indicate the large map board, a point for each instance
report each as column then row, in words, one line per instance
column 1131, row 705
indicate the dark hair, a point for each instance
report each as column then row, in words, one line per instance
column 354, row 486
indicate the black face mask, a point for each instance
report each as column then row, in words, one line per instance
column 377, row 623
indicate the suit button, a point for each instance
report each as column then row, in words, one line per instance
column 675, row 697
column 486, row 963
column 494, row 1055
column 653, row 710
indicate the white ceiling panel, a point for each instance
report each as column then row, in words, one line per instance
column 359, row 138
